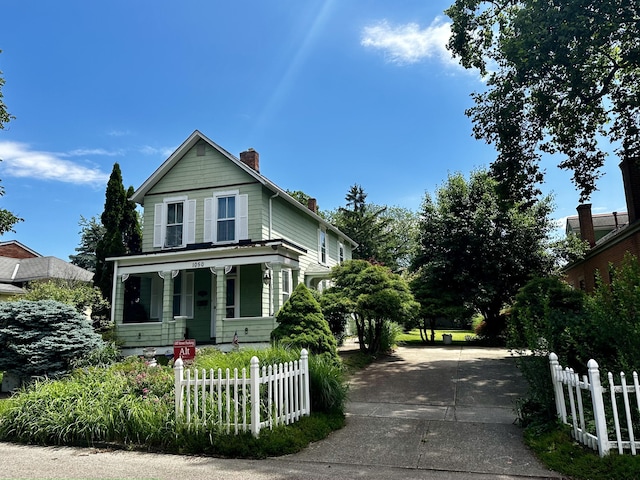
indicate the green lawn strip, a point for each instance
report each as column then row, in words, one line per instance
column 412, row 338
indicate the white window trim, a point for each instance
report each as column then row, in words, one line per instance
column 286, row 279
column 322, row 261
column 211, row 217
column 188, row 221
column 236, row 296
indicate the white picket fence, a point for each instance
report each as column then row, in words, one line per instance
column 270, row 396
column 592, row 423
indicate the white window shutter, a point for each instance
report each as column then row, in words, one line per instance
column 242, row 221
column 208, row 219
column 158, row 221
column 191, row 221
column 187, row 292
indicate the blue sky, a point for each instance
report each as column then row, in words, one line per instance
column 330, row 93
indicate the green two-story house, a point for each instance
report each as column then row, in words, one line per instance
column 223, row 248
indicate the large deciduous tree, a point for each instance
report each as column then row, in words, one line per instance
column 373, row 295
column 476, row 250
column 7, row 218
column 562, row 75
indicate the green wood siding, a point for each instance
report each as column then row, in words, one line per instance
column 199, row 177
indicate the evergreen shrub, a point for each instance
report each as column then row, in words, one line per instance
column 301, row 324
column 42, row 338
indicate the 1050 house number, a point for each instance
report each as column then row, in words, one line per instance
column 197, row 264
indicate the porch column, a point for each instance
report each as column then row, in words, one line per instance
column 221, row 303
column 295, row 278
column 167, row 296
column 118, row 299
column 276, row 270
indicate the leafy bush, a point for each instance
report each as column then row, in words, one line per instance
column 327, row 385
column 302, row 325
column 389, row 336
column 42, row 338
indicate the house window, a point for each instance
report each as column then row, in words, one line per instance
column 286, row 285
column 322, row 246
column 175, row 224
column 231, row 298
column 340, row 252
column 183, row 295
column 226, row 219
column 183, row 286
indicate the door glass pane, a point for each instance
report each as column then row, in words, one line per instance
column 231, row 298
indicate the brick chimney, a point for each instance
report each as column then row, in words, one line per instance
column 251, row 159
column 585, row 219
column 631, row 179
column 312, row 204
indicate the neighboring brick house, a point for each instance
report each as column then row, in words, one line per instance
column 222, row 250
column 20, row 265
column 610, row 236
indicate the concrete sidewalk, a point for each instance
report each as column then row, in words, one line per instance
column 436, row 410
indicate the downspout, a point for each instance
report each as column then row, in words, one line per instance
column 271, row 213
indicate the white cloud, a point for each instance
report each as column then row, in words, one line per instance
column 162, row 151
column 19, row 160
column 83, row 152
column 408, row 43
column 119, row 133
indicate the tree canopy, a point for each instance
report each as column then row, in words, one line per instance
column 562, row 75
column 373, row 295
column 476, row 251
column 91, row 233
column 7, row 218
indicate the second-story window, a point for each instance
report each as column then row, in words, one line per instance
column 322, row 246
column 340, row 252
column 226, row 219
column 175, row 224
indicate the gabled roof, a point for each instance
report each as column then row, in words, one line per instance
column 20, row 246
column 190, row 142
column 15, row 270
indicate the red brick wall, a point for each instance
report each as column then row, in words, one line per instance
column 15, row 251
column 585, row 270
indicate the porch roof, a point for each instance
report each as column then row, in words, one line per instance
column 279, row 251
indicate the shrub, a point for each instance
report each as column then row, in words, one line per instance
column 42, row 338
column 302, row 325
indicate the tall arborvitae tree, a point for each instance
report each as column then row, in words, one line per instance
column 121, row 231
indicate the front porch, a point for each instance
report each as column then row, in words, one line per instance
column 208, row 294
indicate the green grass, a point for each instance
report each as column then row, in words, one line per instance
column 412, row 338
column 555, row 448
